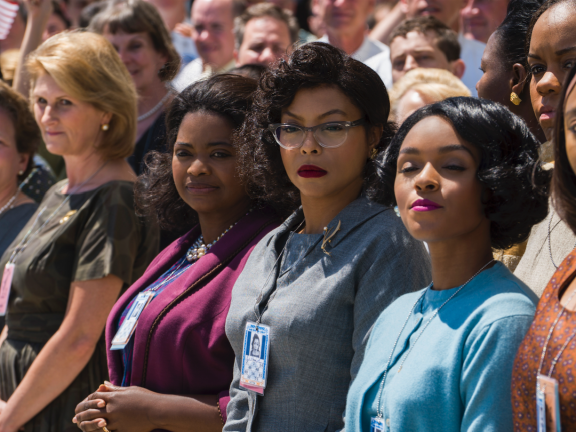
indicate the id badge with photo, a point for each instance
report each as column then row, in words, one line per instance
column 377, row 424
column 5, row 287
column 255, row 357
column 128, row 326
column 547, row 405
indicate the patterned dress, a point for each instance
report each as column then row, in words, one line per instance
column 92, row 235
column 530, row 352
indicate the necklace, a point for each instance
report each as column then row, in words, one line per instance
column 156, row 108
column 379, row 409
column 199, row 248
column 9, row 203
column 550, row 229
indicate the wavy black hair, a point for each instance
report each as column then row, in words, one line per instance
column 516, row 186
column 310, row 66
column 564, row 179
column 228, row 96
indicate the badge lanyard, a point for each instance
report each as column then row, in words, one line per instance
column 377, row 423
column 8, row 273
column 256, row 348
column 126, row 330
column 546, row 386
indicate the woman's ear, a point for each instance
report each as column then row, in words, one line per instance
column 374, row 136
column 520, row 78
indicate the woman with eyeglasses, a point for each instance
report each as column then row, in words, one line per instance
column 312, row 288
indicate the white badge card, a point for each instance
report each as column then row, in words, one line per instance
column 128, row 326
column 5, row 287
column 547, row 405
column 377, row 424
column 255, row 357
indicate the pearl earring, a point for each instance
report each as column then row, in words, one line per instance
column 20, row 172
column 105, row 127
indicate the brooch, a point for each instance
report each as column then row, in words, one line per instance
column 328, row 236
column 67, row 216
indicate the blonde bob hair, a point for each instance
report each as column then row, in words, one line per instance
column 433, row 85
column 87, row 67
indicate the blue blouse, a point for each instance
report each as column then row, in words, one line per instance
column 458, row 375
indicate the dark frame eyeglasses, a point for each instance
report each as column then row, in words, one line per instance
column 328, row 135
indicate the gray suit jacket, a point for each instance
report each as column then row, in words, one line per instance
column 321, row 315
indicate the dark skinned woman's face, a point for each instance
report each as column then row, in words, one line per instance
column 495, row 82
column 204, row 164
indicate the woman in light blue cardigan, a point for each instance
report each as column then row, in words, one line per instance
column 440, row 359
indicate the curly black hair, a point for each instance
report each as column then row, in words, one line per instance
column 310, row 66
column 564, row 178
column 516, row 186
column 228, row 96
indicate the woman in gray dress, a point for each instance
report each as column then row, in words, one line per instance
column 313, row 287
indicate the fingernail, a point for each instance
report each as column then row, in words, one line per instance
column 74, row 420
column 101, row 404
column 108, row 383
column 101, row 423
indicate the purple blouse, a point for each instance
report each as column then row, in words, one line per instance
column 180, row 344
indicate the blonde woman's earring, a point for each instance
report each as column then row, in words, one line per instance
column 515, row 99
column 105, row 127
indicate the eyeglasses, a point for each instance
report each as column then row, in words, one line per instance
column 328, row 135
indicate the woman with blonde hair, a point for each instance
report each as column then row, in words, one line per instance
column 420, row 87
column 64, row 271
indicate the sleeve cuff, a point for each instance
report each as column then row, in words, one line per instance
column 223, row 399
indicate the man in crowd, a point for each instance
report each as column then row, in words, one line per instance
column 425, row 42
column 345, row 22
column 448, row 12
column 480, row 18
column 264, row 33
column 213, row 34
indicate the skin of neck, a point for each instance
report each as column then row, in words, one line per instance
column 149, row 97
column 213, row 224
column 349, row 41
column 7, row 193
column 456, row 260
column 81, row 168
column 319, row 211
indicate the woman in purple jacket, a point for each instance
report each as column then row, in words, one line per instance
column 169, row 359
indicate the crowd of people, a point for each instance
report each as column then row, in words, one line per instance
column 333, row 215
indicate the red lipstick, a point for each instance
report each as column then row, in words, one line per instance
column 311, row 171
column 422, row 205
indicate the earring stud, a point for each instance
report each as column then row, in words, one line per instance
column 105, row 127
column 373, row 154
column 515, row 99
column 20, row 172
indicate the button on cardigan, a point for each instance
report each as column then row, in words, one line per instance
column 321, row 314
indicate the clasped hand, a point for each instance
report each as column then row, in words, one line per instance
column 125, row 409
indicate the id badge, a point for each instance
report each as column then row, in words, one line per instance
column 377, row 424
column 255, row 357
column 5, row 287
column 547, row 405
column 128, row 326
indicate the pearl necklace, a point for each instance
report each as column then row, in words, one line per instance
column 199, row 248
column 9, row 203
column 156, row 108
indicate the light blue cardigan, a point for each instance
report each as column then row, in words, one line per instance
column 458, row 376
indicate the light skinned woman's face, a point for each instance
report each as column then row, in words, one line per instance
column 10, row 160
column 69, row 126
column 204, row 165
column 335, row 169
column 551, row 55
column 137, row 52
column 570, row 128
column 436, row 188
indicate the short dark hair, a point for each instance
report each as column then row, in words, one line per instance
column 136, row 16
column 312, row 65
column 228, row 96
column 249, row 70
column 27, row 132
column 446, row 39
column 516, row 196
column 564, row 179
column 261, row 10
column 512, row 32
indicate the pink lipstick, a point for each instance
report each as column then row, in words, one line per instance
column 311, row 171
column 422, row 205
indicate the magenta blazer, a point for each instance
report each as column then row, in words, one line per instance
column 180, row 344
